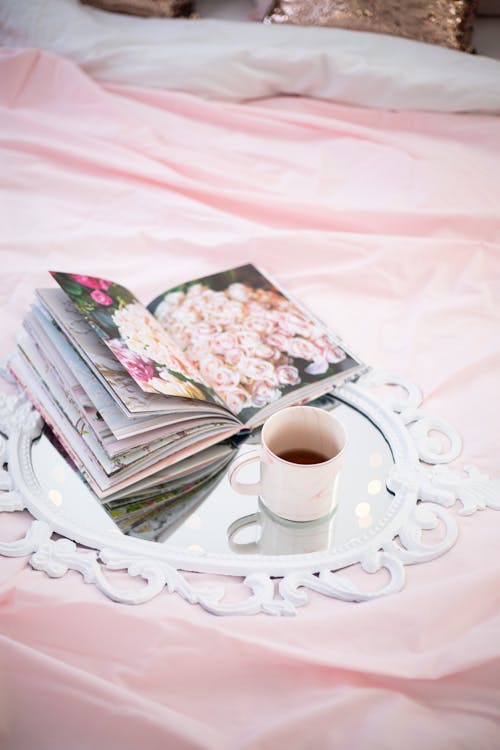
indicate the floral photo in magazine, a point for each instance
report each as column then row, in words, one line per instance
column 134, row 336
column 251, row 343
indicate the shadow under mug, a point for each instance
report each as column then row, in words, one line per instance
column 278, row 536
column 297, row 491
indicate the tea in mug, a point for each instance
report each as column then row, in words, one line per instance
column 303, row 456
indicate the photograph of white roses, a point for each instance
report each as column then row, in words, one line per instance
column 250, row 343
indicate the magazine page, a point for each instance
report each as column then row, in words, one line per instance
column 57, row 372
column 180, row 446
column 91, row 354
column 132, row 334
column 122, row 404
column 106, row 475
column 252, row 344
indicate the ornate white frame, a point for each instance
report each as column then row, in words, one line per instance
column 422, row 496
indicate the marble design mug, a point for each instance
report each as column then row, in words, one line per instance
column 289, row 485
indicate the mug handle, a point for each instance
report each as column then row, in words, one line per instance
column 240, row 523
column 244, row 489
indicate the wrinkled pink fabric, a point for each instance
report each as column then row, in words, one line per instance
column 387, row 224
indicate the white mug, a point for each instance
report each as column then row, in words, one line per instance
column 289, row 486
column 279, row 536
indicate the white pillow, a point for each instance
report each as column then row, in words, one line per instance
column 240, row 60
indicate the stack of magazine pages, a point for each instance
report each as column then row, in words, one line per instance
column 148, row 403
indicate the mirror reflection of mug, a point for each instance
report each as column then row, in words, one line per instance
column 278, row 536
column 300, row 458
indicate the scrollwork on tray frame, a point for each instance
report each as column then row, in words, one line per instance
column 424, row 491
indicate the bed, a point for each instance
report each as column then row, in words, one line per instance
column 364, row 173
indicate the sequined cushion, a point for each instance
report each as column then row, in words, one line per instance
column 444, row 22
column 161, row 8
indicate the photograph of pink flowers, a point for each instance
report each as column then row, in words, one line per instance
column 250, row 343
column 138, row 341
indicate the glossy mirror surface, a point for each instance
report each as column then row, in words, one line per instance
column 217, row 520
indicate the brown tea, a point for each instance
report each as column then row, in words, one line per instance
column 303, row 456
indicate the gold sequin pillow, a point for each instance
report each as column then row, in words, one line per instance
column 444, row 22
column 158, row 8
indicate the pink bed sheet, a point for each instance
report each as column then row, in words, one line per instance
column 387, row 224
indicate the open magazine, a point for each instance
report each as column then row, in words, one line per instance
column 147, row 400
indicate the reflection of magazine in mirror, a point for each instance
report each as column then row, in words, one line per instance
column 233, row 340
